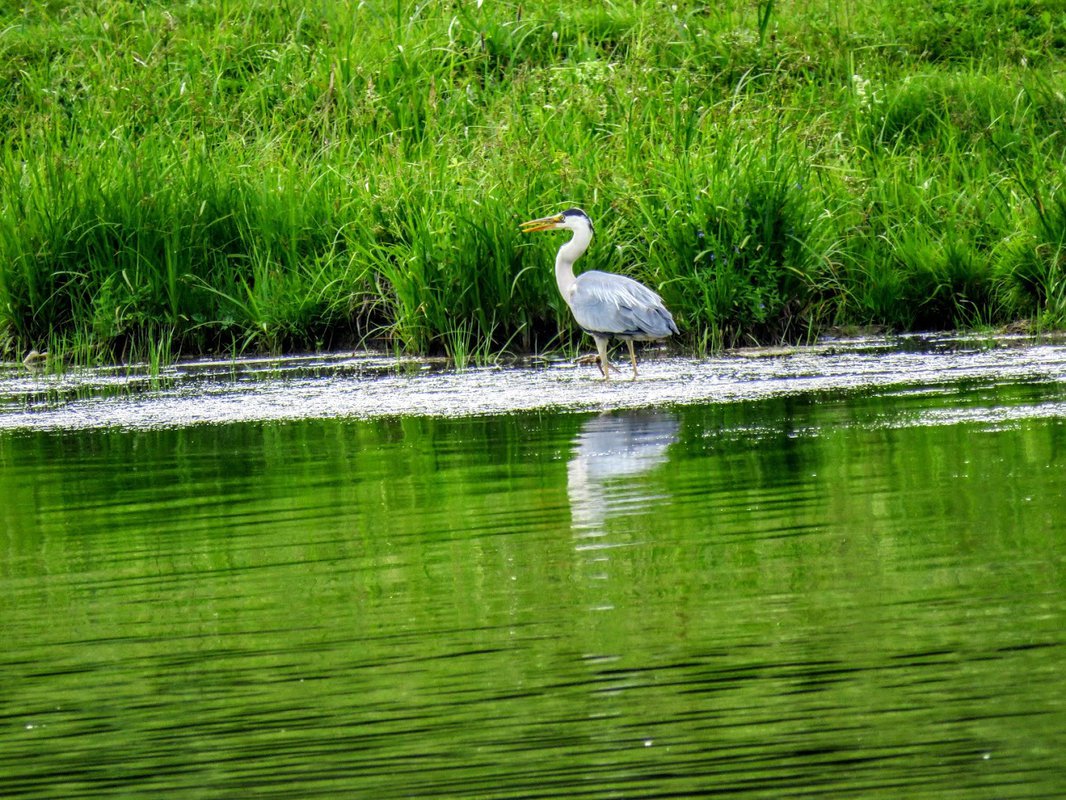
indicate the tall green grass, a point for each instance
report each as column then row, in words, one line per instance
column 256, row 176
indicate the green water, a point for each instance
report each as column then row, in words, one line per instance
column 840, row 595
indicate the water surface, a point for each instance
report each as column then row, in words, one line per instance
column 834, row 573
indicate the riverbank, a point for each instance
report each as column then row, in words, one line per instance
column 256, row 178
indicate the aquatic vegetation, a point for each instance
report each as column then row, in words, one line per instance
column 249, row 177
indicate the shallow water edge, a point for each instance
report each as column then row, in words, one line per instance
column 369, row 385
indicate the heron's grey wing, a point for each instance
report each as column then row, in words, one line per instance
column 603, row 302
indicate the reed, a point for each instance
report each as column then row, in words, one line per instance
column 260, row 177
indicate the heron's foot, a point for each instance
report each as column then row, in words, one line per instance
column 594, row 358
column 609, row 368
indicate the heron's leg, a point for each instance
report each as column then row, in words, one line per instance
column 632, row 357
column 605, row 366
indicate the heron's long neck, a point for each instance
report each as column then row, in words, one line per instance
column 567, row 255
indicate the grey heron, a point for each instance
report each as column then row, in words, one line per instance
column 605, row 305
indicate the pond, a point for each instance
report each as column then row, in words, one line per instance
column 832, row 571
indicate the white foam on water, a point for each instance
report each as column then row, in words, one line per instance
column 368, row 386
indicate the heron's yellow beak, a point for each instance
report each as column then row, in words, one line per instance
column 542, row 224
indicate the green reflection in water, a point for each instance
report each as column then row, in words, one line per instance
column 806, row 595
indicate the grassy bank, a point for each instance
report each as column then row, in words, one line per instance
column 245, row 176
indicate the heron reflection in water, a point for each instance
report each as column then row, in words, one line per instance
column 605, row 305
column 610, row 452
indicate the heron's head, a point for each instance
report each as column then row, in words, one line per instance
column 573, row 219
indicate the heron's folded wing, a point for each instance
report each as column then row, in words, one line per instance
column 603, row 302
